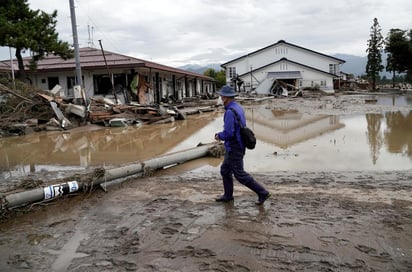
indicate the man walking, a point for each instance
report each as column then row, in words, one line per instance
column 235, row 150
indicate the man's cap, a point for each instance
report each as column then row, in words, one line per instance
column 227, row 91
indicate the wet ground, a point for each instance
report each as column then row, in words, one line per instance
column 326, row 217
column 310, row 135
column 315, row 221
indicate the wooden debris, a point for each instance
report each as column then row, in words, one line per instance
column 4, row 88
column 48, row 110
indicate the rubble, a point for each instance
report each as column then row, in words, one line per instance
column 26, row 110
column 22, row 111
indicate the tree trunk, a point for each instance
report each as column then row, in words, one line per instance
column 393, row 79
column 22, row 73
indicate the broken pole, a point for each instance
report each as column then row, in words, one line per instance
column 108, row 72
column 57, row 190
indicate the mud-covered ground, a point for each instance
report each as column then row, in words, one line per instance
column 315, row 221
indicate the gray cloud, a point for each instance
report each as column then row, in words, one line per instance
column 203, row 31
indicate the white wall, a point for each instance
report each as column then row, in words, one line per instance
column 309, row 77
column 272, row 54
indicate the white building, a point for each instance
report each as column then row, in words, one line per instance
column 292, row 64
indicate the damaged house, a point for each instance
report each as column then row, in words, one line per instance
column 283, row 66
column 146, row 82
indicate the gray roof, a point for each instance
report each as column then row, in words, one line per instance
column 277, row 43
column 92, row 58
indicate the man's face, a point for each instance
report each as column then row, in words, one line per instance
column 225, row 99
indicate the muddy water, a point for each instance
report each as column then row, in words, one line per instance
column 317, row 221
column 287, row 140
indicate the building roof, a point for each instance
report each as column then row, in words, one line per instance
column 278, row 43
column 92, row 58
column 5, row 65
column 294, row 62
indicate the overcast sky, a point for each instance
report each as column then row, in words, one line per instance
column 183, row 32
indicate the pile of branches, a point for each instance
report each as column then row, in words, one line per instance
column 18, row 105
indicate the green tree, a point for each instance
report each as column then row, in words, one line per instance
column 398, row 45
column 220, row 76
column 375, row 48
column 390, row 67
column 23, row 28
column 210, row 72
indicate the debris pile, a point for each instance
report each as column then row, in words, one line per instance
column 104, row 111
column 22, row 110
column 29, row 109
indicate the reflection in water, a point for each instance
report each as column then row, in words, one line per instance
column 394, row 100
column 287, row 141
column 285, row 128
column 375, row 138
column 104, row 146
column 398, row 135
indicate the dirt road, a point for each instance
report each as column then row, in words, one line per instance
column 314, row 222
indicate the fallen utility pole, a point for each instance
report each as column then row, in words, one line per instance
column 57, row 190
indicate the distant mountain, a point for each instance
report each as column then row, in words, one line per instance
column 195, row 68
column 357, row 65
column 354, row 64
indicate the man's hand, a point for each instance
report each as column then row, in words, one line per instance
column 217, row 137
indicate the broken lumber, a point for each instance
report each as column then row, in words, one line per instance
column 4, row 88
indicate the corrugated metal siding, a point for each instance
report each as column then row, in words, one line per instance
column 285, row 75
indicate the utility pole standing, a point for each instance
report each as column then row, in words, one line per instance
column 79, row 79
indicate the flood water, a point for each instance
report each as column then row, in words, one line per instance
column 287, row 141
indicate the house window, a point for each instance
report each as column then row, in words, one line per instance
column 71, row 81
column 52, row 81
column 333, row 69
column 103, row 85
column 323, row 83
column 232, row 72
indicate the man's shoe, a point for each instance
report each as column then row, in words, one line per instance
column 224, row 199
column 263, row 199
